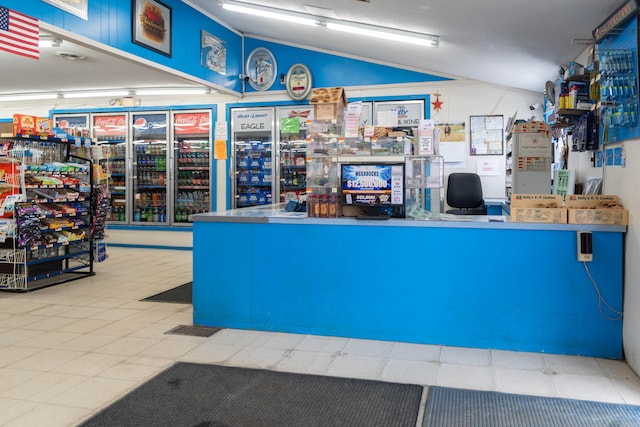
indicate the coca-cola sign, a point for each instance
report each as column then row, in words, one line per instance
column 192, row 123
column 110, row 125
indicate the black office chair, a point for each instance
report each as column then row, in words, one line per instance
column 464, row 194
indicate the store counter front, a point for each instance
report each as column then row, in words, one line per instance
column 480, row 282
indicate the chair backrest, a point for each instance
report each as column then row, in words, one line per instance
column 464, row 190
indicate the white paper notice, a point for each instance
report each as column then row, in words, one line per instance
column 488, row 166
column 369, row 131
column 221, row 131
column 354, row 108
column 352, row 127
column 425, row 137
column 387, row 119
column 453, row 152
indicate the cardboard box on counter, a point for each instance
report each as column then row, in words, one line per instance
column 329, row 103
column 602, row 209
column 540, row 208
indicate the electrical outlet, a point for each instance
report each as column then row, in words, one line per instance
column 585, row 246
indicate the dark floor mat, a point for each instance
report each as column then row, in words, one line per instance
column 457, row 407
column 181, row 294
column 189, row 394
column 193, row 331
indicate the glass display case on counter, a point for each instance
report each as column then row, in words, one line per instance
column 323, row 174
column 424, row 185
column 292, row 166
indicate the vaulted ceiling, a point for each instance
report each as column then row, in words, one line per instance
column 515, row 43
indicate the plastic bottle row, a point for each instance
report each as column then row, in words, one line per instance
column 118, row 150
column 193, row 178
column 157, row 162
column 150, row 214
column 189, row 198
column 116, row 167
column 182, row 214
column 193, row 158
column 156, row 199
column 150, row 149
column 154, row 214
column 151, row 178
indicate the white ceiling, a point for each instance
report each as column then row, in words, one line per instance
column 518, row 43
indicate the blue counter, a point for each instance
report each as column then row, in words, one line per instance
column 487, row 283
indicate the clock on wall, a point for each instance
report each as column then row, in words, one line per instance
column 298, row 82
column 261, row 69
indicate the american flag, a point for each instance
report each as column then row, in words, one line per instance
column 19, row 33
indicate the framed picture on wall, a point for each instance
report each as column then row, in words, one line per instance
column 487, row 135
column 77, row 7
column 152, row 25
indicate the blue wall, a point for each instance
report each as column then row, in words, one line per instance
column 110, row 23
column 330, row 70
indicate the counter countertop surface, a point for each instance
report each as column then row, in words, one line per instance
column 276, row 214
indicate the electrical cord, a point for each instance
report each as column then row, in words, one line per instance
column 601, row 300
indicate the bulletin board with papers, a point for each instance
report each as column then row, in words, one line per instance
column 487, row 135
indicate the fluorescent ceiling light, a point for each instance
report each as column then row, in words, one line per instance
column 49, row 43
column 321, row 19
column 95, row 94
column 386, row 34
column 160, row 91
column 265, row 12
column 29, row 97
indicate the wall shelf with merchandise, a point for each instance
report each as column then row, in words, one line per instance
column 53, row 214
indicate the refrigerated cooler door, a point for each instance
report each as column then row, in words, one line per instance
column 192, row 164
column 110, row 137
column 150, row 155
column 252, row 161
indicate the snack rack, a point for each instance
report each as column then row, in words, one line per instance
column 57, row 212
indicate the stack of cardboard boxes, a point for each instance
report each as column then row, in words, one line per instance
column 575, row 209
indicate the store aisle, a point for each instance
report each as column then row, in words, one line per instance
column 70, row 350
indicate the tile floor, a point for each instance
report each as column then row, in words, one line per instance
column 68, row 351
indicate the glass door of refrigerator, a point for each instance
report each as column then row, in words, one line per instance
column 191, row 164
column 77, row 129
column 74, row 125
column 110, row 151
column 252, row 156
column 293, row 129
column 149, row 162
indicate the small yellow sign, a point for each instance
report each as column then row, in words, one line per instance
column 220, row 150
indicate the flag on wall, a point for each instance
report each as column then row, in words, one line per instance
column 19, row 33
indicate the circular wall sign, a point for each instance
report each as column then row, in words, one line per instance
column 261, row 69
column 298, row 82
